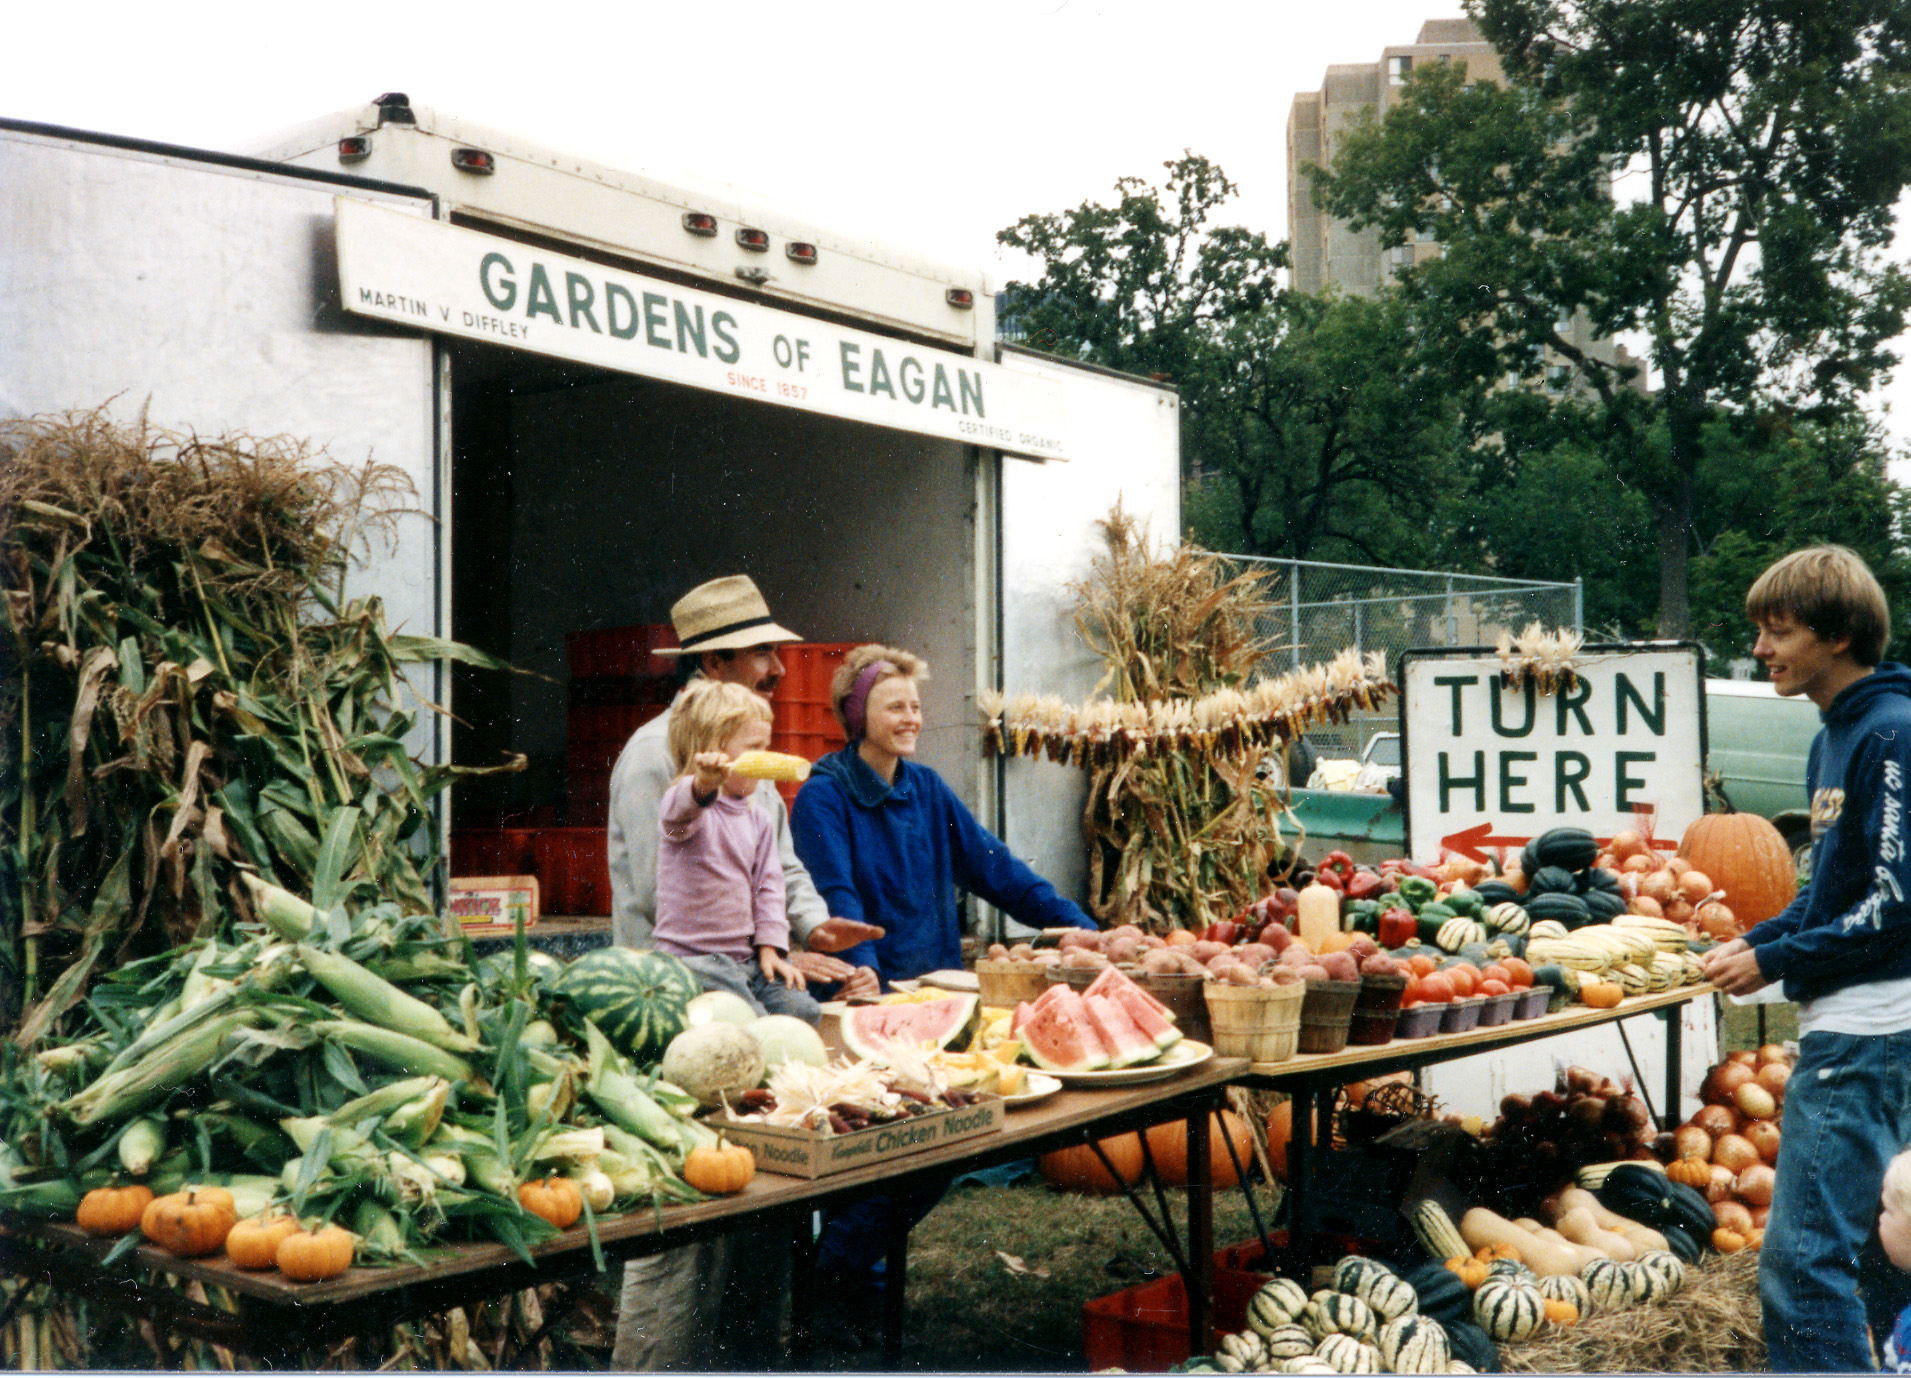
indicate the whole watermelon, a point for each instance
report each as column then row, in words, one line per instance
column 636, row 997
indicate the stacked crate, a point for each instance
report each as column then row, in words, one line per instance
column 618, row 683
column 805, row 725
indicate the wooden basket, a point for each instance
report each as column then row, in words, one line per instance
column 1260, row 1023
column 1004, row 985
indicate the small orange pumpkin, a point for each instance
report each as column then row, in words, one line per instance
column 191, row 1222
column 1602, row 995
column 719, row 1169
column 113, row 1210
column 255, row 1243
column 1561, row 1311
column 1471, row 1271
column 1691, row 1171
column 314, row 1255
column 1727, row 1241
column 557, row 1199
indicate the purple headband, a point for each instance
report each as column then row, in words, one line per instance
column 856, row 702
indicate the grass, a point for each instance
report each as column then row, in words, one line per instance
column 1748, row 1026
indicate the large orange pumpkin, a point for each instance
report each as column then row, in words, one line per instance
column 1280, row 1130
column 1747, row 858
column 1078, row 1169
column 1168, row 1146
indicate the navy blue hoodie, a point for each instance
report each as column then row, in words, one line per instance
column 894, row 854
column 1852, row 923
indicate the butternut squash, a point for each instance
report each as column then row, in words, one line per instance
column 1643, row 1238
column 1579, row 1226
column 1482, row 1229
column 1579, row 1252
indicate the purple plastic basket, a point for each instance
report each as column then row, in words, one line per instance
column 1463, row 1016
column 1532, row 1002
column 1419, row 1021
column 1498, row 1009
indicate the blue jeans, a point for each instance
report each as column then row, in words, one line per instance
column 1822, row 1275
column 746, row 979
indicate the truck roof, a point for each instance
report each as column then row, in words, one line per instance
column 560, row 194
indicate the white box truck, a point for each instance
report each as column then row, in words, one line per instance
column 607, row 388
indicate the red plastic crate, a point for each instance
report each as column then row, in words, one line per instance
column 493, row 851
column 807, row 669
column 573, row 870
column 1144, row 1329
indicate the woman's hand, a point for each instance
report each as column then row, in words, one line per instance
column 712, row 769
column 836, row 935
column 776, row 967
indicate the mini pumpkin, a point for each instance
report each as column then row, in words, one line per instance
column 1602, row 995
column 556, row 1199
column 1560, row 1312
column 1692, row 1170
column 191, row 1222
column 254, row 1243
column 719, row 1169
column 113, row 1210
column 314, row 1255
column 1471, row 1271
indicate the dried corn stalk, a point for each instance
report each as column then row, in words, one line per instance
column 1183, row 824
column 194, row 694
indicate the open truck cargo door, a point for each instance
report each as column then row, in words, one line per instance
column 202, row 290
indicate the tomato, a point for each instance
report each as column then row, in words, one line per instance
column 1465, row 976
column 1436, row 987
column 1518, row 974
column 1491, row 986
column 1411, row 995
column 1497, row 971
column 1421, row 963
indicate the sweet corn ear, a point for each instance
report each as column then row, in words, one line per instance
column 771, row 765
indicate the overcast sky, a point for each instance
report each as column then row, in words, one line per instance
column 931, row 124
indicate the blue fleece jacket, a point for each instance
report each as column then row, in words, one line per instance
column 1852, row 923
column 894, row 854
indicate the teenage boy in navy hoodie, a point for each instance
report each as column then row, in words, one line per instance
column 1843, row 951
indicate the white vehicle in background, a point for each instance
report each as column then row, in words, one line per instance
column 1379, row 762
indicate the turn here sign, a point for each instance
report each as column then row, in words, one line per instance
column 1488, row 765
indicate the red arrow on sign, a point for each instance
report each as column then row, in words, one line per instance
column 1468, row 842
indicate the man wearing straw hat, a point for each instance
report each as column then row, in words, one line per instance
column 682, row 1307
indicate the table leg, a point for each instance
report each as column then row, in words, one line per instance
column 1300, row 1173
column 1200, row 1283
column 1674, row 1064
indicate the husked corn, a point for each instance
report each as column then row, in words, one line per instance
column 771, row 765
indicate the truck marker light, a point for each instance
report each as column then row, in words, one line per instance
column 704, row 226
column 355, row 149
column 800, row 253
column 473, row 160
column 756, row 241
column 961, row 298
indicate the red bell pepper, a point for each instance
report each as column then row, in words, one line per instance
column 1338, row 865
column 1397, row 926
column 1364, row 885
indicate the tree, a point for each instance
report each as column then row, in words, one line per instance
column 1145, row 285
column 1758, row 147
column 1330, row 438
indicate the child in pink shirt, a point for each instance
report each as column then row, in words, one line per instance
column 720, row 884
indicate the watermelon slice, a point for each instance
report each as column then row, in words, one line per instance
column 1060, row 1038
column 1114, row 979
column 869, row 1030
column 1145, row 1011
column 1126, row 1044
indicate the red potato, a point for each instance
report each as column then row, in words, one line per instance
column 1255, row 953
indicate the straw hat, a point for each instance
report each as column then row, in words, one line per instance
column 726, row 614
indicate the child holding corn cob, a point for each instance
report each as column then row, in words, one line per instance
column 719, row 883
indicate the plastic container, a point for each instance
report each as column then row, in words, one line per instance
column 1498, row 1009
column 1419, row 1021
column 1532, row 1002
column 1144, row 1329
column 1260, row 1023
column 1327, row 1015
column 1005, row 984
column 1369, row 1027
column 805, row 724
column 1183, row 995
column 573, row 870
column 1462, row 1016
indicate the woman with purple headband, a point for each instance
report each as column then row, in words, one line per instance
column 888, row 843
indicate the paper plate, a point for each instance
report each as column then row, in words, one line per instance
column 1185, row 1054
column 1040, row 1087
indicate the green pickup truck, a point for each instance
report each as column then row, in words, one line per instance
column 1756, row 743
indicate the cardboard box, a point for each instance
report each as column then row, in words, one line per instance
column 493, row 904
column 805, row 1153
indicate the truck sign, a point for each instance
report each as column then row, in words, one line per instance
column 456, row 281
column 1489, row 765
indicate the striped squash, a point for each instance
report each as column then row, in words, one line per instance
column 1667, row 1266
column 1508, row 1310
column 638, row 998
column 1288, row 1342
column 1415, row 1344
column 1607, row 1284
column 1437, row 1233
column 1280, row 1302
column 1511, row 1268
column 1336, row 1313
column 1246, row 1349
column 1389, row 1296
column 1507, row 918
column 1456, row 933
column 1306, row 1363
column 1345, row 1354
column 1566, row 1287
column 1352, row 1270
column 1646, row 1286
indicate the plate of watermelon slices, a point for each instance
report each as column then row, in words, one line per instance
column 1183, row 1055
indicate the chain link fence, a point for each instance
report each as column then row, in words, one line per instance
column 1322, row 609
